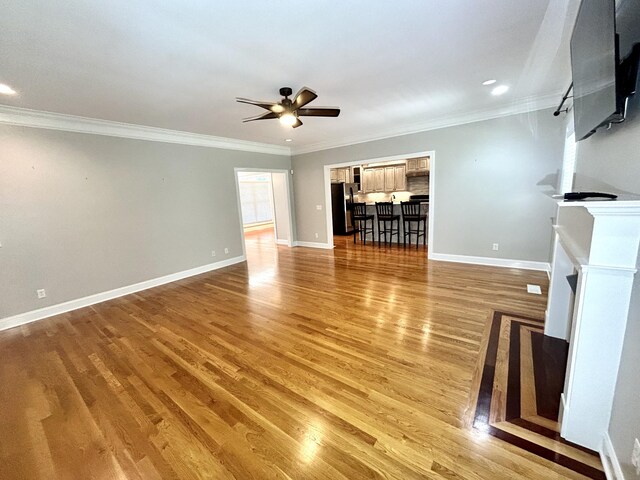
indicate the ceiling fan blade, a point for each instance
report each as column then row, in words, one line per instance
column 297, row 124
column 271, row 106
column 262, row 116
column 304, row 96
column 319, row 112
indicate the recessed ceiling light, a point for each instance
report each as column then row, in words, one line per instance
column 288, row 140
column 499, row 90
column 489, row 82
column 6, row 89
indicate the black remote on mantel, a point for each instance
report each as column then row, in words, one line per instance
column 583, row 195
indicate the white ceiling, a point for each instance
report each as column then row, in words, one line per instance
column 392, row 67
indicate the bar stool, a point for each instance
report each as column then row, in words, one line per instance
column 386, row 217
column 412, row 212
column 358, row 217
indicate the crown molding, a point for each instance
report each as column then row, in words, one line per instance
column 71, row 123
column 524, row 105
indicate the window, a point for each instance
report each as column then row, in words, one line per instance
column 255, row 197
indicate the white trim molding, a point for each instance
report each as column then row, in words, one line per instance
column 71, row 123
column 324, row 246
column 490, row 261
column 610, row 462
column 32, row 316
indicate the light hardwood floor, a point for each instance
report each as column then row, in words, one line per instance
column 302, row 363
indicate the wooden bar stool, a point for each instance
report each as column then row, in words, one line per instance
column 412, row 212
column 384, row 211
column 359, row 219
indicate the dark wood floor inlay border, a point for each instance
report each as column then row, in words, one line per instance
column 549, row 358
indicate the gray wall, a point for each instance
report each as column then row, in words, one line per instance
column 492, row 184
column 610, row 161
column 82, row 214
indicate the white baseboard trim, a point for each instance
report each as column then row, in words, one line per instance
column 612, row 468
column 41, row 313
column 282, row 242
column 494, row 262
column 313, row 245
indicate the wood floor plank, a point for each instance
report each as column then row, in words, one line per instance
column 353, row 363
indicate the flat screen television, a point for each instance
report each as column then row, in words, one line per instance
column 594, row 61
column 601, row 83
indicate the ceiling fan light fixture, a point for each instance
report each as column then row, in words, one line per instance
column 288, row 119
column 289, row 111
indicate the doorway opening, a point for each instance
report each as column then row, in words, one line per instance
column 393, row 179
column 264, row 203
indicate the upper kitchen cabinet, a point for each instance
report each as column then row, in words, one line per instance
column 418, row 166
column 378, row 180
column 400, row 178
column 367, row 180
column 392, row 178
column 341, row 175
column 389, row 179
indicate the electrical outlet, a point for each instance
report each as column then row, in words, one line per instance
column 226, row 250
column 318, row 207
column 317, row 236
column 213, row 253
column 635, row 456
column 496, row 247
column 41, row 293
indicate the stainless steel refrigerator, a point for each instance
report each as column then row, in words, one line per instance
column 341, row 200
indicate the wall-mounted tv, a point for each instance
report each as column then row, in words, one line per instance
column 601, row 83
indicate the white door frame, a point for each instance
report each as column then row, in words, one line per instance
column 289, row 209
column 432, row 174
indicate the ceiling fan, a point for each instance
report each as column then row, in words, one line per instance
column 289, row 111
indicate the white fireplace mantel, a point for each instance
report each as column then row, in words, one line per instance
column 599, row 241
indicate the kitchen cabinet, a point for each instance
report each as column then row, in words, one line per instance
column 418, row 166
column 356, row 177
column 378, row 179
column 400, row 178
column 367, row 180
column 389, row 179
column 340, row 175
column 384, row 179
